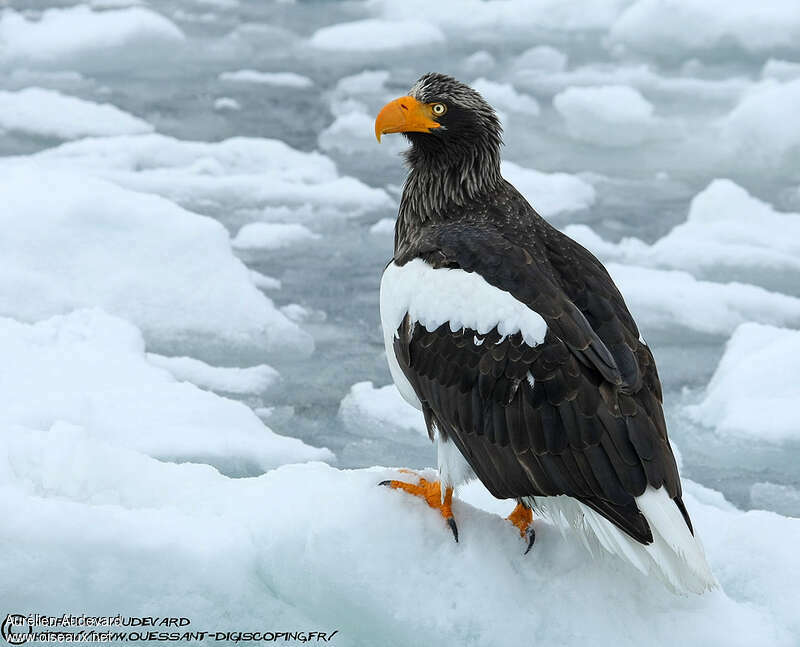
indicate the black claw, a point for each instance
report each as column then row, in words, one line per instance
column 531, row 538
column 452, row 523
column 389, row 482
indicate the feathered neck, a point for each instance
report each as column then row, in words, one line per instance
column 442, row 179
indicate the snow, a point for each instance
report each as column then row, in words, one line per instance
column 78, row 37
column 253, row 379
column 754, row 391
column 363, row 82
column 374, row 35
column 113, row 514
column 542, row 58
column 726, row 229
column 353, row 132
column 262, row 235
column 677, row 28
column 780, row 70
column 503, row 96
column 763, row 127
column 505, row 19
column 282, row 79
column 226, row 103
column 263, row 281
column 89, row 370
column 73, row 241
column 380, row 411
column 383, row 226
column 241, row 172
column 665, row 299
column 641, row 76
column 607, row 115
column 52, row 114
column 550, row 193
column 481, row 62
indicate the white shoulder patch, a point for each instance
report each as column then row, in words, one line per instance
column 432, row 297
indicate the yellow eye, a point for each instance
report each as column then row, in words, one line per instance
column 439, row 109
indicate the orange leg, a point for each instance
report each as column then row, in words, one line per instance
column 522, row 518
column 431, row 492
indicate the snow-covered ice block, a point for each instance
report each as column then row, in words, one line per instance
column 380, row 411
column 71, row 241
column 780, row 70
column 641, row 76
column 385, row 226
column 726, row 229
column 677, row 28
column 665, row 299
column 505, row 97
column 607, row 115
column 263, row 235
column 90, row 369
column 353, row 132
column 481, row 62
column 80, row 38
column 763, row 128
column 542, row 58
column 253, row 379
column 756, row 387
column 366, row 82
column 235, row 173
column 503, row 19
column 314, row 548
column 49, row 113
column 227, row 103
column 283, row 79
column 550, row 193
column 264, row 282
column 374, row 35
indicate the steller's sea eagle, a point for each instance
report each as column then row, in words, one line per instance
column 518, row 348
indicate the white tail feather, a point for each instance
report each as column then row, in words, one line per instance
column 675, row 556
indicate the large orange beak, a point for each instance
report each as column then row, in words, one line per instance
column 404, row 115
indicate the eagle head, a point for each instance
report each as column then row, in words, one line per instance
column 443, row 119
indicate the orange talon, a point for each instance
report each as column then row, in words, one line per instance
column 431, row 492
column 522, row 518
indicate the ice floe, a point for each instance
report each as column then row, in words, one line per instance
column 503, row 20
column 380, row 411
column 763, row 129
column 504, row 97
column 675, row 29
column 550, row 193
column 283, row 79
column 72, row 240
column 755, row 390
column 79, row 38
column 110, row 389
column 49, row 113
column 664, row 299
column 252, row 379
column 608, row 115
column 263, row 235
column 727, row 231
column 373, row 35
column 239, row 173
column 319, row 549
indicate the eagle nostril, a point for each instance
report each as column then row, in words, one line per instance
column 404, row 106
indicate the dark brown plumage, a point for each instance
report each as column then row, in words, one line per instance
column 577, row 412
